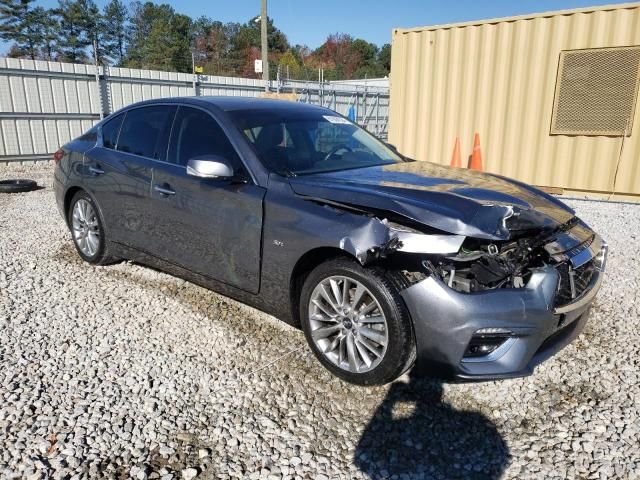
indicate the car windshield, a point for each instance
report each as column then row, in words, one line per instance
column 299, row 143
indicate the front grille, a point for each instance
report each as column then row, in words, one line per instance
column 581, row 279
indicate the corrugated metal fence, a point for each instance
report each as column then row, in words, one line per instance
column 45, row 104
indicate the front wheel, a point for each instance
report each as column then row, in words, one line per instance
column 356, row 323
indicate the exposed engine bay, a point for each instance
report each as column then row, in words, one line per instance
column 468, row 264
column 481, row 265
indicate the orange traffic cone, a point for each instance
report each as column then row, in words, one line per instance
column 455, row 158
column 475, row 159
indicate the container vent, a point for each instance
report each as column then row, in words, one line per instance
column 596, row 91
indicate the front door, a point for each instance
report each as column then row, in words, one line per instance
column 209, row 226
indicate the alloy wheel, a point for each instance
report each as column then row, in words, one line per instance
column 347, row 324
column 86, row 231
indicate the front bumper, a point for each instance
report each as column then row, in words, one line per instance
column 445, row 320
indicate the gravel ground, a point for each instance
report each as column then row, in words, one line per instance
column 123, row 371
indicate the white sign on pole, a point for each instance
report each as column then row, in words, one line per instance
column 258, row 66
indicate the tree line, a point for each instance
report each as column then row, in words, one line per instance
column 155, row 36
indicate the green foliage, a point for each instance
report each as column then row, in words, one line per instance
column 12, row 15
column 153, row 36
column 32, row 29
column 343, row 57
column 79, row 28
column 384, row 58
column 114, row 30
column 215, row 47
column 289, row 66
column 159, row 38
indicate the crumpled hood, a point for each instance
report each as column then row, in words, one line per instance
column 458, row 201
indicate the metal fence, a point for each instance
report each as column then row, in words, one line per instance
column 45, row 104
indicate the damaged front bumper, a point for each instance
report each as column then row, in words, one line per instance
column 445, row 322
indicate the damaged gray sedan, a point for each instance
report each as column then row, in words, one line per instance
column 384, row 262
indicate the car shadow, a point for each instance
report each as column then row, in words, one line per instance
column 415, row 434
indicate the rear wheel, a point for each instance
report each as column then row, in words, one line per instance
column 87, row 230
column 356, row 323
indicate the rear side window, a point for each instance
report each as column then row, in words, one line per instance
column 195, row 133
column 142, row 131
column 110, row 131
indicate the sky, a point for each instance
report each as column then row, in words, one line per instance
column 309, row 22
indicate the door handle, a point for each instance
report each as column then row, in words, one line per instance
column 96, row 171
column 163, row 191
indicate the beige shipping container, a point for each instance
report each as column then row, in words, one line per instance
column 553, row 96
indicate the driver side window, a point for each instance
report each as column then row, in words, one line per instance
column 195, row 133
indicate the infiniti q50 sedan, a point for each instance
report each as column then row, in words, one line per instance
column 385, row 263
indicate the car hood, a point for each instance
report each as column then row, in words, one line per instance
column 458, row 201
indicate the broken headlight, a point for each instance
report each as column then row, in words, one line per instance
column 411, row 240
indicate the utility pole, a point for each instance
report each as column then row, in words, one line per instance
column 265, row 45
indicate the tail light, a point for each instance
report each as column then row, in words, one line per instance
column 58, row 155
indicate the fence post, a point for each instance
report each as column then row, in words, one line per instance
column 364, row 101
column 105, row 92
column 278, row 79
column 97, row 72
column 377, row 114
column 357, row 104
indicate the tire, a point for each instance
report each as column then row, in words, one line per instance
column 92, row 230
column 17, row 186
column 392, row 359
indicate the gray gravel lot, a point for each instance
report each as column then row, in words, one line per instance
column 123, row 371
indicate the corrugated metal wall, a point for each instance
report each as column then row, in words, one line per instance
column 45, row 104
column 498, row 78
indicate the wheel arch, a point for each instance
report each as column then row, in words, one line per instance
column 68, row 196
column 303, row 267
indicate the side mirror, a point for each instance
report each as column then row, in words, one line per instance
column 210, row 166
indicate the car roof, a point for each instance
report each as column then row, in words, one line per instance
column 256, row 103
column 229, row 104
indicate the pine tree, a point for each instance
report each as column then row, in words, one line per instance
column 159, row 38
column 80, row 27
column 49, row 25
column 181, row 27
column 28, row 27
column 73, row 39
column 115, row 24
column 93, row 27
column 12, row 13
column 30, row 37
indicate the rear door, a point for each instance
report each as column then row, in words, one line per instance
column 118, row 172
column 210, row 226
